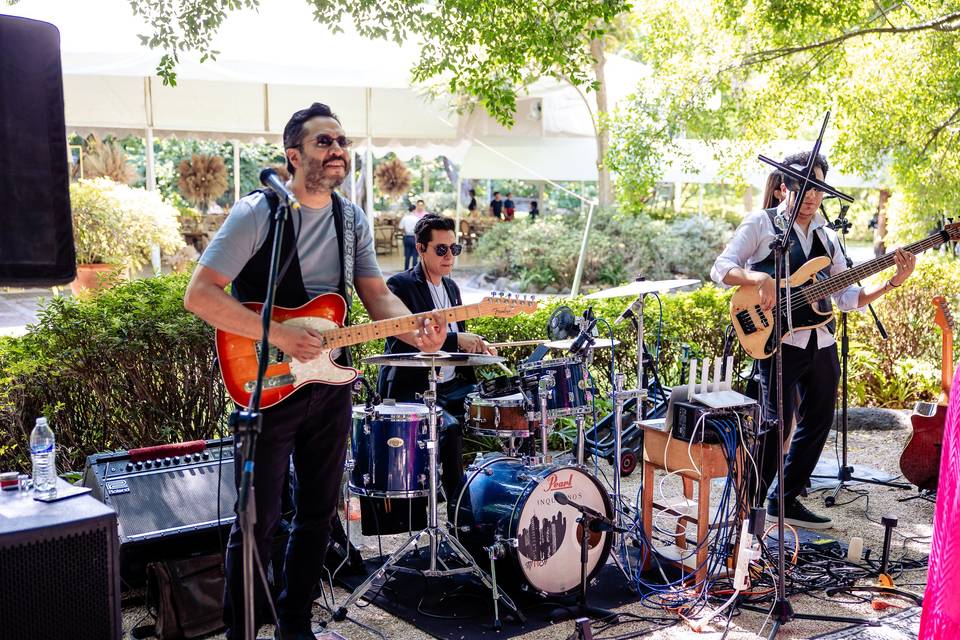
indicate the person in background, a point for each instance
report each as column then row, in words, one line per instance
column 496, row 206
column 472, row 206
column 421, row 209
column 408, row 224
column 509, row 208
column 775, row 191
column 534, row 211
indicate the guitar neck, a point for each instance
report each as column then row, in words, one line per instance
column 843, row 280
column 358, row 334
column 946, row 367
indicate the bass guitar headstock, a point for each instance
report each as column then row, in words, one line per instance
column 942, row 316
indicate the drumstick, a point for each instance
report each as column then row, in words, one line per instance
column 502, row 366
column 518, row 343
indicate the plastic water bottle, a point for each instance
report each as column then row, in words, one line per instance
column 352, row 514
column 43, row 453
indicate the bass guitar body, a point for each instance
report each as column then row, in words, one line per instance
column 920, row 460
column 238, row 355
column 754, row 326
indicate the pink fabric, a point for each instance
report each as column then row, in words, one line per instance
column 940, row 619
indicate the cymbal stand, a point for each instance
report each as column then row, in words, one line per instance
column 434, row 532
column 544, row 384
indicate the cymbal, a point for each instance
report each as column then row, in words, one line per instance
column 438, row 359
column 638, row 287
column 598, row 343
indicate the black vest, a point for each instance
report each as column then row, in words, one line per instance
column 250, row 285
column 797, row 259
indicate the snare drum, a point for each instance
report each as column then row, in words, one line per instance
column 389, row 447
column 569, row 395
column 504, row 417
column 504, row 499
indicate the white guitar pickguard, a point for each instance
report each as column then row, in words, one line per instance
column 322, row 368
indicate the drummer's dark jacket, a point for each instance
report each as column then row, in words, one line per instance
column 402, row 384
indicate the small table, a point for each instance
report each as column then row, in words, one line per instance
column 671, row 455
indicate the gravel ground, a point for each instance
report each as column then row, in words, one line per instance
column 853, row 516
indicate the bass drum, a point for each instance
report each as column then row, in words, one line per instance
column 503, row 498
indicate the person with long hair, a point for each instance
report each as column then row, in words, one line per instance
column 775, row 191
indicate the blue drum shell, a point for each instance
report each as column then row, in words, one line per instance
column 569, row 395
column 389, row 451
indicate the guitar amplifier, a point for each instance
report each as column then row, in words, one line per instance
column 171, row 500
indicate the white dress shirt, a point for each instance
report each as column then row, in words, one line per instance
column 751, row 244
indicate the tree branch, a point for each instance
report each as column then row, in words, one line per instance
column 943, row 23
column 938, row 130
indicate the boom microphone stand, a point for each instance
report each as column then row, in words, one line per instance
column 248, row 422
column 782, row 611
column 845, row 471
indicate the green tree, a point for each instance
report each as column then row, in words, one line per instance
column 486, row 51
column 757, row 70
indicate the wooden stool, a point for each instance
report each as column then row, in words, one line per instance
column 673, row 457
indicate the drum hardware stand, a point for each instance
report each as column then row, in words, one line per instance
column 494, row 553
column 545, row 383
column 436, row 534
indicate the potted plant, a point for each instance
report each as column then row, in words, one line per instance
column 115, row 228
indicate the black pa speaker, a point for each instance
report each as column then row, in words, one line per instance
column 58, row 569
column 36, row 242
column 172, row 501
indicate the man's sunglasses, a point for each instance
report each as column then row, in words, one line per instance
column 323, row 141
column 441, row 249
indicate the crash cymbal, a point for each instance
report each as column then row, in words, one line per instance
column 598, row 343
column 438, row 359
column 638, row 287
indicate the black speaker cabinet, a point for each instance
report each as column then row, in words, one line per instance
column 172, row 501
column 58, row 569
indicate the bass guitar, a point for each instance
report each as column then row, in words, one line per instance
column 920, row 460
column 238, row 355
column 754, row 326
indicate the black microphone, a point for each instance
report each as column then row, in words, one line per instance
column 586, row 334
column 630, row 311
column 270, row 178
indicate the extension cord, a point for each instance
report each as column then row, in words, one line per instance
column 747, row 551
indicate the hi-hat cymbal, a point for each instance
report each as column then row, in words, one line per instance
column 598, row 343
column 438, row 359
column 638, row 287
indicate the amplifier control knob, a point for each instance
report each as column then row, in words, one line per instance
column 148, row 464
column 139, row 466
column 166, row 462
column 176, row 459
column 129, row 466
column 206, row 455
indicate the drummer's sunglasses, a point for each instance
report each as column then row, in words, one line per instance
column 441, row 249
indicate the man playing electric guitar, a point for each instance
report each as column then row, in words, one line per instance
column 327, row 247
column 810, row 363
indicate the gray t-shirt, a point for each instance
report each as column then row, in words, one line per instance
column 248, row 224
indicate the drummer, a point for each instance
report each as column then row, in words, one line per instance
column 425, row 287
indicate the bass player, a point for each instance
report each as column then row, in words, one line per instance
column 811, row 368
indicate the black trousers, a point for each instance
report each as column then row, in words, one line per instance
column 313, row 425
column 812, row 375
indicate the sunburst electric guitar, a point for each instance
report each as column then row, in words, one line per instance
column 754, row 326
column 920, row 460
column 238, row 356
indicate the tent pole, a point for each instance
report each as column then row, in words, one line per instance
column 575, row 289
column 368, row 175
column 151, row 172
column 457, row 210
column 236, row 170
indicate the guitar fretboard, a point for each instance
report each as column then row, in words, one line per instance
column 358, row 334
column 843, row 280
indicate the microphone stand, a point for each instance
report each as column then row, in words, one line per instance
column 845, row 471
column 247, row 424
column 782, row 611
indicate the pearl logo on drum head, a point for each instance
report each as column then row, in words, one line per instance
column 396, row 443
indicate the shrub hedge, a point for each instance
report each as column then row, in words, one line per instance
column 130, row 367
